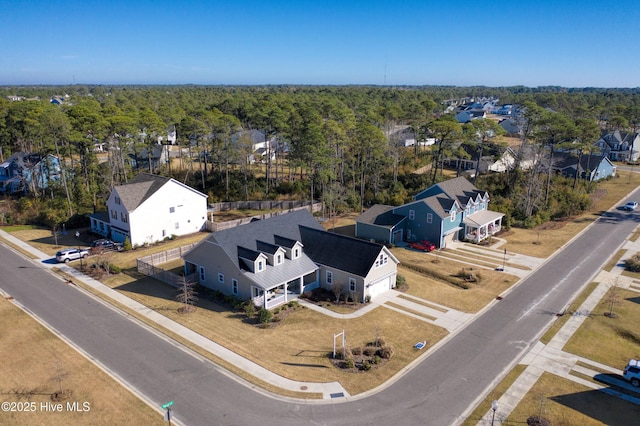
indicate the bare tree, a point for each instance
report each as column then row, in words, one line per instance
column 613, row 298
column 186, row 294
column 337, row 289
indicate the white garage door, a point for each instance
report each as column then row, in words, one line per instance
column 379, row 287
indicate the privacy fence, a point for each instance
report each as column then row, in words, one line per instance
column 147, row 265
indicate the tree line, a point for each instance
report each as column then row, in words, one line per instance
column 331, row 142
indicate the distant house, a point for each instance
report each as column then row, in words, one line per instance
column 588, row 167
column 278, row 259
column 448, row 211
column 140, row 160
column 619, row 146
column 471, row 114
column 511, row 127
column 28, row 172
column 405, row 136
column 256, row 143
column 149, row 209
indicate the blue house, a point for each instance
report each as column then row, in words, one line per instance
column 448, row 211
column 589, row 167
column 24, row 172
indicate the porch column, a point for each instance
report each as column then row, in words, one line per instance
column 285, row 291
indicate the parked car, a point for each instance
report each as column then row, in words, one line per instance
column 632, row 372
column 105, row 245
column 422, row 245
column 631, row 205
column 70, row 254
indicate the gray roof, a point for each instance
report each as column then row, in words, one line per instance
column 247, row 236
column 265, row 236
column 340, row 251
column 460, row 189
column 381, row 215
column 141, row 187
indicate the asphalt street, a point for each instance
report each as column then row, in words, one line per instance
column 439, row 391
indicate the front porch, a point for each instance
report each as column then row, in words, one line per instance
column 283, row 293
column 481, row 225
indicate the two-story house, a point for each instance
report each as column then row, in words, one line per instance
column 619, row 146
column 149, row 209
column 24, row 172
column 448, row 211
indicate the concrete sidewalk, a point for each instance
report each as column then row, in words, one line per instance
column 432, row 313
column 551, row 358
column 328, row 390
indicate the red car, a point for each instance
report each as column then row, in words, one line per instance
column 423, row 245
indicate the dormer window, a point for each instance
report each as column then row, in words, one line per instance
column 278, row 259
column 296, row 253
column 453, row 215
column 260, row 265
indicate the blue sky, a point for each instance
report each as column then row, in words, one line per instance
column 463, row 43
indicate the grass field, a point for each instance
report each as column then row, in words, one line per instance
column 36, row 364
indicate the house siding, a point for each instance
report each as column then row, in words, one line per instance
column 373, row 232
column 147, row 223
column 418, row 229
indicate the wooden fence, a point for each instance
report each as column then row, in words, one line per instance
column 146, row 265
column 219, row 226
column 258, row 205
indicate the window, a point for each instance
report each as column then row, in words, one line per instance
column 234, row 286
column 117, row 200
column 352, row 284
column 429, row 217
column 296, row 253
column 123, row 217
column 202, row 273
column 278, row 259
column 172, row 209
column 164, row 232
column 221, row 278
column 114, row 214
column 260, row 265
column 412, row 214
column 329, row 277
column 453, row 215
column 177, row 225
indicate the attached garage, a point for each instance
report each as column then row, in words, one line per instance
column 450, row 237
column 379, row 287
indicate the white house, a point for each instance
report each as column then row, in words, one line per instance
column 149, row 209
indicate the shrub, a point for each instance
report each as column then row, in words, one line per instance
column 349, row 363
column 376, row 360
column 264, row 316
column 250, row 309
column 633, row 264
column 400, row 281
column 115, row 269
column 366, row 366
column 370, row 350
column 127, row 244
column 387, row 352
column 356, row 351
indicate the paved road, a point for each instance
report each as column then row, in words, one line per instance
column 439, row 391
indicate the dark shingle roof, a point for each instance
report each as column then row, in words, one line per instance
column 139, row 189
column 247, row 236
column 340, row 251
column 381, row 215
column 460, row 189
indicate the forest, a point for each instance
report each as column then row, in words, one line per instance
column 331, row 143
